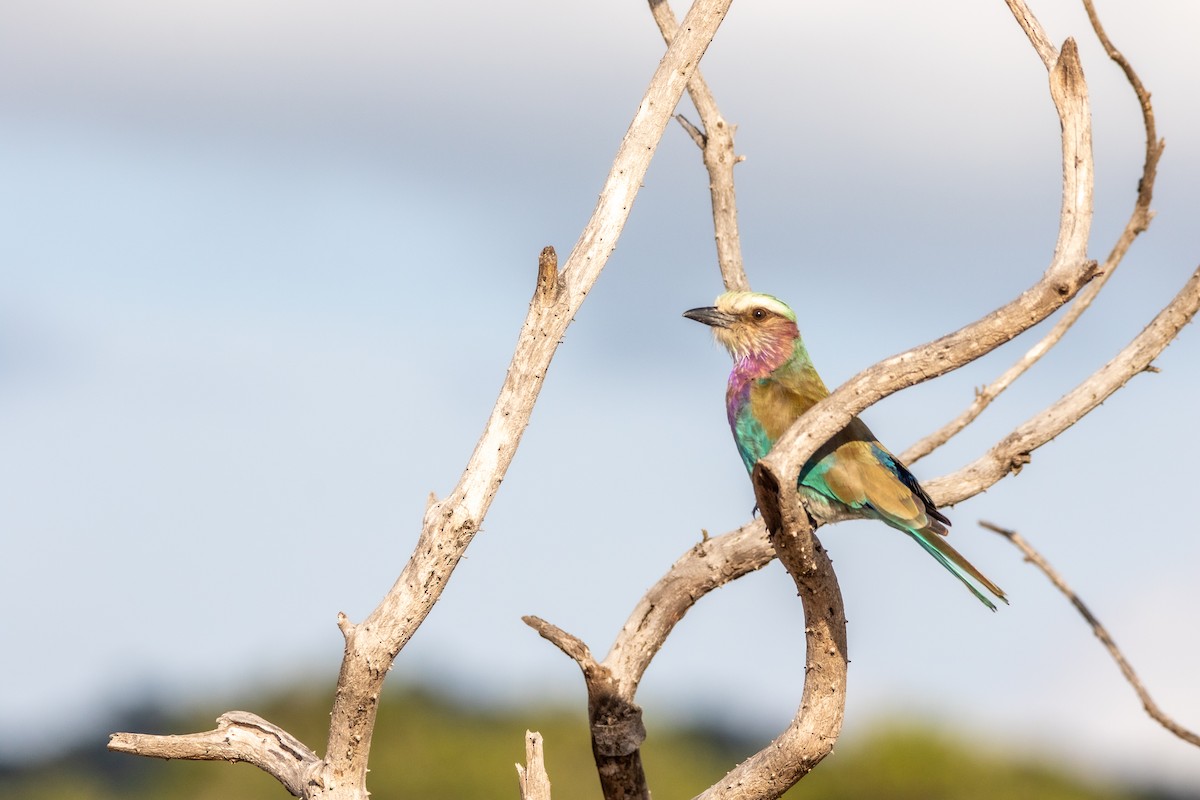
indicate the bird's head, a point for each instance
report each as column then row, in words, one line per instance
column 751, row 325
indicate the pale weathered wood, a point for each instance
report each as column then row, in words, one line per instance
column 532, row 777
column 1139, row 221
column 1012, row 452
column 239, row 736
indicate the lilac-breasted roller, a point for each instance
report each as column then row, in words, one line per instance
column 773, row 382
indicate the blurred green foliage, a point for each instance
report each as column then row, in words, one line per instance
column 427, row 746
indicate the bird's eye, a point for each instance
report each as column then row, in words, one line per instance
column 758, row 313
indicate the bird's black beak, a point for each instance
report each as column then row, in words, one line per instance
column 710, row 315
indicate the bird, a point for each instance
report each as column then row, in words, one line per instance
column 773, row 383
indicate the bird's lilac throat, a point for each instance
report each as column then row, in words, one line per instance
column 767, row 355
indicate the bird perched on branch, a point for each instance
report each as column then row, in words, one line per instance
column 774, row 382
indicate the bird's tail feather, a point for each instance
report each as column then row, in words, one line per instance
column 952, row 560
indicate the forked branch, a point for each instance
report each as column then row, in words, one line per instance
column 1139, row 220
column 1068, row 272
column 1012, row 452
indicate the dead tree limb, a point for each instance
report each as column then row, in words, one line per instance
column 239, row 736
column 615, row 719
column 1068, row 272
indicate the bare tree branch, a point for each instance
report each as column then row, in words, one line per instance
column 239, row 736
column 708, row 565
column 1035, row 558
column 1068, row 272
column 712, row 563
column 534, row 782
column 716, row 145
column 1139, row 220
column 1013, row 452
column 614, row 719
column 810, row 737
column 612, row 684
column 450, row 524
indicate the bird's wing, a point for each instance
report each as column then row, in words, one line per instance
column 856, row 470
column 909, row 480
column 854, row 475
column 852, row 468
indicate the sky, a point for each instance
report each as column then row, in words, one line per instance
column 265, row 262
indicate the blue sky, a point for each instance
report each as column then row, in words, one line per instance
column 265, row 263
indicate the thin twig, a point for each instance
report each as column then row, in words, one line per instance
column 572, row 646
column 716, row 146
column 1034, row 557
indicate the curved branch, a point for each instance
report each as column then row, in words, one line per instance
column 810, row 737
column 818, row 720
column 612, row 683
column 1138, row 221
column 716, row 561
column 1035, row 558
column 708, row 565
column 239, row 736
column 727, row 557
